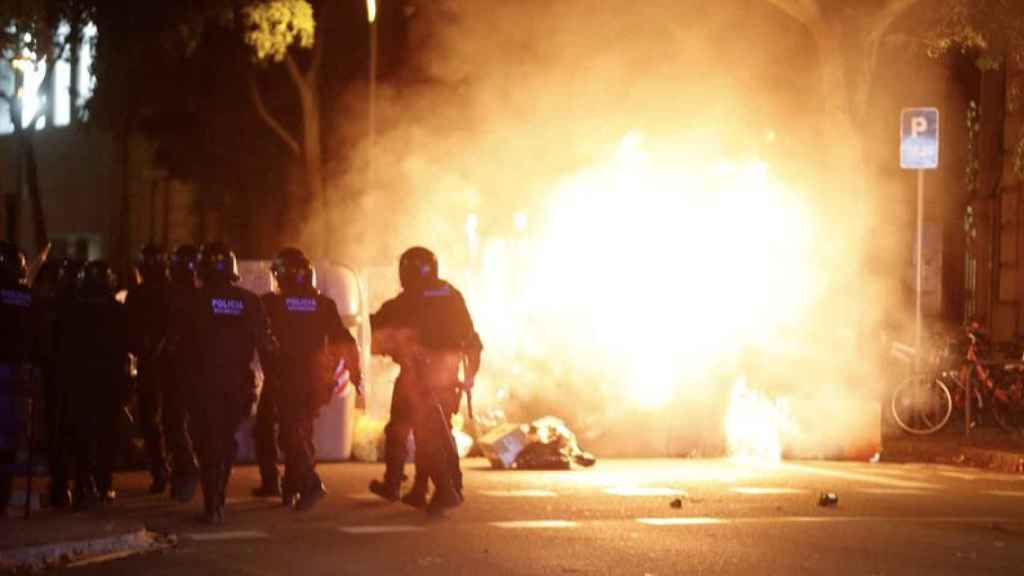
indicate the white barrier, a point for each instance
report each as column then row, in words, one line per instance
column 336, row 423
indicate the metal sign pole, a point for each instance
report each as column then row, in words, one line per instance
column 919, row 272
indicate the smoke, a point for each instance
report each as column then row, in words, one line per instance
column 630, row 196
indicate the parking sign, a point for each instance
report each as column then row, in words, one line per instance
column 919, row 139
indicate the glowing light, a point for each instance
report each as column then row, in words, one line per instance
column 521, row 220
column 371, row 11
column 646, row 274
column 755, row 426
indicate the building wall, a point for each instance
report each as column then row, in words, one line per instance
column 82, row 174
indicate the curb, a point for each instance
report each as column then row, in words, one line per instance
column 996, row 460
column 35, row 558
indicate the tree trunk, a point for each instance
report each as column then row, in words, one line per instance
column 122, row 248
column 28, row 150
column 316, row 201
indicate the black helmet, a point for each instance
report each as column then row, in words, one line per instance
column 417, row 268
column 97, row 280
column 184, row 265
column 218, row 265
column 68, row 282
column 151, row 263
column 48, row 279
column 13, row 265
column 293, row 272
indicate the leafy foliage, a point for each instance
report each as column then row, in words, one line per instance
column 274, row 26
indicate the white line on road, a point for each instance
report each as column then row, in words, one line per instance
column 385, row 529
column 365, row 497
column 1015, row 493
column 691, row 521
column 959, row 475
column 754, row 491
column 898, row 491
column 519, row 493
column 225, row 536
column 894, row 482
column 644, row 491
column 528, row 524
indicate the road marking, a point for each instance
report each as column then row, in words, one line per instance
column 365, row 497
column 644, row 491
column 691, row 521
column 1014, row 493
column 225, row 536
column 519, row 493
column 529, row 524
column 386, row 529
column 899, row 491
column 893, row 482
column 709, row 521
column 959, row 475
column 106, row 558
column 754, row 491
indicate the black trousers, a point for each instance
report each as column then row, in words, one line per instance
column 95, row 433
column 405, row 404
column 151, row 384
column 437, row 455
column 217, row 417
column 297, row 418
column 176, row 421
column 58, row 423
column 265, row 436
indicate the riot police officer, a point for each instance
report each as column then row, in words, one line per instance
column 312, row 342
column 15, row 354
column 227, row 326
column 92, row 371
column 147, row 305
column 183, row 270
column 52, row 293
column 428, row 331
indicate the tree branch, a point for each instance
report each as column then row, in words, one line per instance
column 890, row 12
column 265, row 115
column 293, row 71
column 806, row 12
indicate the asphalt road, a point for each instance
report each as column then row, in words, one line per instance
column 615, row 518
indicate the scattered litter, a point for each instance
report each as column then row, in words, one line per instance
column 677, row 503
column 828, row 499
column 545, row 444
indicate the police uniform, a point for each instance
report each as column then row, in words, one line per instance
column 306, row 327
column 148, row 306
column 443, row 340
column 52, row 292
column 227, row 326
column 93, row 347
column 15, row 354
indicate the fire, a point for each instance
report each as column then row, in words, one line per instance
column 645, row 273
column 371, row 11
column 756, row 426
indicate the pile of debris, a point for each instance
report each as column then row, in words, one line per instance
column 544, row 444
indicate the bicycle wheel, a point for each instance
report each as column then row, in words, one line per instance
column 1007, row 407
column 922, row 404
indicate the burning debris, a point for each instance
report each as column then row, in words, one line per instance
column 545, row 444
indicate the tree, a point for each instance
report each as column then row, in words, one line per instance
column 32, row 33
column 849, row 37
column 277, row 31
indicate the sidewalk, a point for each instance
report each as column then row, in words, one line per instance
column 983, row 448
column 58, row 537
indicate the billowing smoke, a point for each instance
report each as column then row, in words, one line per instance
column 628, row 193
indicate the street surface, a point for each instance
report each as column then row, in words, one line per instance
column 615, row 518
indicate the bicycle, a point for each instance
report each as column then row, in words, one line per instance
column 925, row 402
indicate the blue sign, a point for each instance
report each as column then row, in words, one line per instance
column 919, row 138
